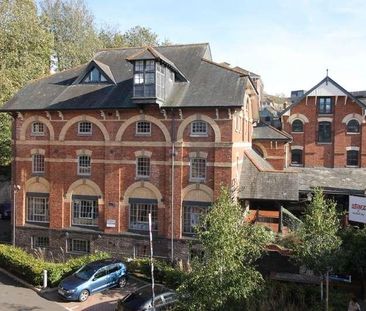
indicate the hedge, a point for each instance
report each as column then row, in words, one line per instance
column 30, row 268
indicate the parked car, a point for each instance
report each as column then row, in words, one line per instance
column 5, row 211
column 141, row 299
column 93, row 277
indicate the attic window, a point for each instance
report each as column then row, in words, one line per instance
column 144, row 78
column 94, row 76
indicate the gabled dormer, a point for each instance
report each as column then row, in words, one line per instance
column 153, row 76
column 96, row 73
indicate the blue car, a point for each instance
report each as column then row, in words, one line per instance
column 93, row 277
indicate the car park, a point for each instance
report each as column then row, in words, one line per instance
column 93, row 277
column 141, row 299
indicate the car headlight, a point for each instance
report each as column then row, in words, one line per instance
column 70, row 291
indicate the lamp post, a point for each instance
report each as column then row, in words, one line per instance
column 16, row 188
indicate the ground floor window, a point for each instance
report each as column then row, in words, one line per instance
column 37, row 207
column 296, row 157
column 139, row 214
column 85, row 211
column 352, row 158
column 78, row 246
column 192, row 214
column 40, row 241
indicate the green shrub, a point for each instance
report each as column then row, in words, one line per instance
column 30, row 269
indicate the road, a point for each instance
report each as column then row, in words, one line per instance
column 16, row 297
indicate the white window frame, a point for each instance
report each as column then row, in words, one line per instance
column 33, row 215
column 71, row 245
column 82, row 131
column 196, row 133
column 192, row 212
column 139, row 168
column 87, row 212
column 42, row 242
column 38, row 129
column 191, row 164
column 138, row 216
column 84, row 170
column 38, row 163
column 140, row 125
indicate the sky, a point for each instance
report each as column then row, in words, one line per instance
column 290, row 43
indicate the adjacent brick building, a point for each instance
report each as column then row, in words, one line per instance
column 136, row 131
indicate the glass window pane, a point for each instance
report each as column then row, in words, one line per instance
column 198, row 169
column 139, row 216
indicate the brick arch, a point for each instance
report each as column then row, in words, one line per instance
column 148, row 118
column 353, row 116
column 30, row 120
column 262, row 148
column 298, row 116
column 74, row 120
column 37, row 180
column 195, row 117
column 141, row 184
column 88, row 184
column 207, row 191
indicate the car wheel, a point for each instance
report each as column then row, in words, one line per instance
column 122, row 282
column 84, row 295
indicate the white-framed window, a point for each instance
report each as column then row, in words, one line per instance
column 143, row 128
column 199, row 128
column 192, row 214
column 40, row 241
column 144, row 78
column 143, row 167
column 85, row 128
column 94, row 76
column 38, row 163
column 84, row 165
column 197, row 169
column 84, row 211
column 37, row 129
column 139, row 215
column 37, row 207
column 78, row 246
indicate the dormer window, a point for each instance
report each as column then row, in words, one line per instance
column 144, row 78
column 94, row 76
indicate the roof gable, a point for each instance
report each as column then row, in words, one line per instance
column 326, row 87
column 103, row 69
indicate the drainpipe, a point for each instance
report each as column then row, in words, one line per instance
column 172, row 185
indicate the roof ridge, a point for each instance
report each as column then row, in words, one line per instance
column 277, row 130
column 154, row 46
column 224, row 67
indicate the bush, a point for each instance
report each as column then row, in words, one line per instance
column 30, row 269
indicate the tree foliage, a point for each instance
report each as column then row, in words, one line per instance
column 25, row 47
column 318, row 237
column 73, row 28
column 226, row 273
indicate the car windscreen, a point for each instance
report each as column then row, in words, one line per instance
column 85, row 273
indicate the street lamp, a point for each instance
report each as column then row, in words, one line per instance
column 16, row 188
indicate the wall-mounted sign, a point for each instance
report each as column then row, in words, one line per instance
column 111, row 223
column 357, row 209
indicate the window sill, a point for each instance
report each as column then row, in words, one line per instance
column 38, row 135
column 323, row 114
column 142, row 134
column 323, row 143
column 352, row 166
column 199, row 135
column 37, row 173
column 353, row 133
column 84, row 175
column 297, row 132
column 85, row 134
column 197, row 181
column 297, row 165
column 142, row 178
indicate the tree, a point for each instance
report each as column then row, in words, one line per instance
column 73, row 28
column 318, row 236
column 353, row 254
column 140, row 36
column 25, row 47
column 225, row 274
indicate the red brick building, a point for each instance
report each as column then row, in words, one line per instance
column 135, row 131
column 328, row 127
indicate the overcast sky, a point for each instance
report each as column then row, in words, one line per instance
column 290, row 43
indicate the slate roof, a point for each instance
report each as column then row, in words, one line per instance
column 207, row 83
column 327, row 78
column 265, row 131
column 341, row 180
column 258, row 180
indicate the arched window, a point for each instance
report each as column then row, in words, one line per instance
column 353, row 126
column 296, row 157
column 297, row 126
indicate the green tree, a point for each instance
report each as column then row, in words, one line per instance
column 25, row 47
column 73, row 28
column 140, row 36
column 353, row 254
column 225, row 274
column 318, row 236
